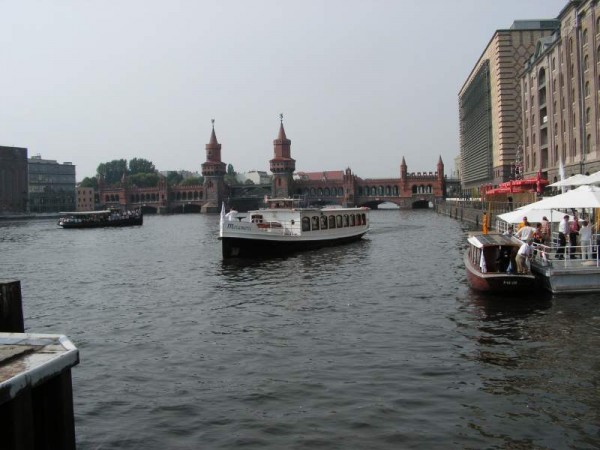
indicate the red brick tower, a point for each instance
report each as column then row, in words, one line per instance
column 213, row 171
column 282, row 165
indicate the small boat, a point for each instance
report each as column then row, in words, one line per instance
column 284, row 227
column 100, row 219
column 488, row 262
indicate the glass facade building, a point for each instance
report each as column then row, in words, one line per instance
column 51, row 186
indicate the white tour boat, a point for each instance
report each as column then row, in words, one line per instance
column 284, row 227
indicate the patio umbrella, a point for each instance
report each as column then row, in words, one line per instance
column 594, row 178
column 582, row 197
column 575, row 180
column 533, row 215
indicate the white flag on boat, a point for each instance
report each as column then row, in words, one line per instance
column 482, row 265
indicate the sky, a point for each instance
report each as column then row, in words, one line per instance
column 360, row 84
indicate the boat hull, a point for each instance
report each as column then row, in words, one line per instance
column 237, row 247
column 498, row 282
column 133, row 221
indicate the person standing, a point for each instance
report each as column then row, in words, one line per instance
column 526, row 232
column 545, row 231
column 573, row 233
column 585, row 235
column 563, row 232
column 524, row 253
column 523, row 223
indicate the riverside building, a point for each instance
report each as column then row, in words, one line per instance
column 560, row 96
column 13, row 180
column 51, row 185
column 490, row 111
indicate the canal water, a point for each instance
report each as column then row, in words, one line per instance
column 374, row 345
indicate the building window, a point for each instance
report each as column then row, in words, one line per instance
column 586, row 62
column 587, row 115
column 588, row 143
column 587, row 88
column 585, row 36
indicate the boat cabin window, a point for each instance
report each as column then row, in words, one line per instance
column 331, row 221
column 323, row 222
column 315, row 222
column 346, row 221
column 305, row 224
column 256, row 218
column 338, row 222
column 351, row 220
column 364, row 218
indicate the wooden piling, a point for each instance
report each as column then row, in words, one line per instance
column 11, row 307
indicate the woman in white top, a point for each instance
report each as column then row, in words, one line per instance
column 585, row 234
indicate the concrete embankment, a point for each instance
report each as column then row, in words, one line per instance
column 470, row 213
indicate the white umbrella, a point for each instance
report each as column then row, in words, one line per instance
column 575, row 180
column 594, row 178
column 533, row 215
column 582, row 197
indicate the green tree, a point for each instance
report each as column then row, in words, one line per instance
column 140, row 165
column 112, row 171
column 230, row 176
column 249, row 181
column 88, row 182
column 174, row 178
column 144, row 179
column 192, row 181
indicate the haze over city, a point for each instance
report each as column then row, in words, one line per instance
column 360, row 84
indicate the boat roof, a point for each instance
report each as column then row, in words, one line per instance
column 86, row 213
column 486, row 240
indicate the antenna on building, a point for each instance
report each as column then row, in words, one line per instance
column 281, row 117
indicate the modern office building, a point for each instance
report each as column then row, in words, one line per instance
column 490, row 111
column 13, row 180
column 560, row 96
column 51, row 185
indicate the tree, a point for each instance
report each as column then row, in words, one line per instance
column 230, row 178
column 144, row 179
column 112, row 171
column 140, row 165
column 192, row 181
column 88, row 182
column 174, row 178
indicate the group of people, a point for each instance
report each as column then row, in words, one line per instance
column 579, row 235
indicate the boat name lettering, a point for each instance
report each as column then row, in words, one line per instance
column 235, row 226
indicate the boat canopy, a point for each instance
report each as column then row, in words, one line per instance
column 86, row 213
column 533, row 215
column 485, row 240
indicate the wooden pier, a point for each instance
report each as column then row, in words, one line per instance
column 36, row 397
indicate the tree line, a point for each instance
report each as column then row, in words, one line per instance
column 142, row 173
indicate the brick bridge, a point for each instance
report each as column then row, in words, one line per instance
column 409, row 190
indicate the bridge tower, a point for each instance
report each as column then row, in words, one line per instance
column 213, row 171
column 282, row 165
column 440, row 175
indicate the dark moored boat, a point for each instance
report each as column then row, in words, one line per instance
column 100, row 219
column 487, row 261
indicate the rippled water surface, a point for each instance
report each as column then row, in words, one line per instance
column 374, row 345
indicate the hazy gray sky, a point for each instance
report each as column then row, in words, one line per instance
column 360, row 83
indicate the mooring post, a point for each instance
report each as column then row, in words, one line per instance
column 11, row 307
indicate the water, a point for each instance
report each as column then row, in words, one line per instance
column 378, row 344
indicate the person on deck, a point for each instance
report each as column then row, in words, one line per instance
column 523, row 223
column 563, row 232
column 526, row 232
column 585, row 234
column 573, row 234
column 545, row 231
column 524, row 253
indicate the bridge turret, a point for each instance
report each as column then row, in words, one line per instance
column 403, row 170
column 213, row 171
column 440, row 168
column 282, row 165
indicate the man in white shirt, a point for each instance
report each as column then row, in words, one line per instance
column 524, row 253
column 526, row 232
column 563, row 232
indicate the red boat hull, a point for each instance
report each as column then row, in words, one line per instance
column 498, row 282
